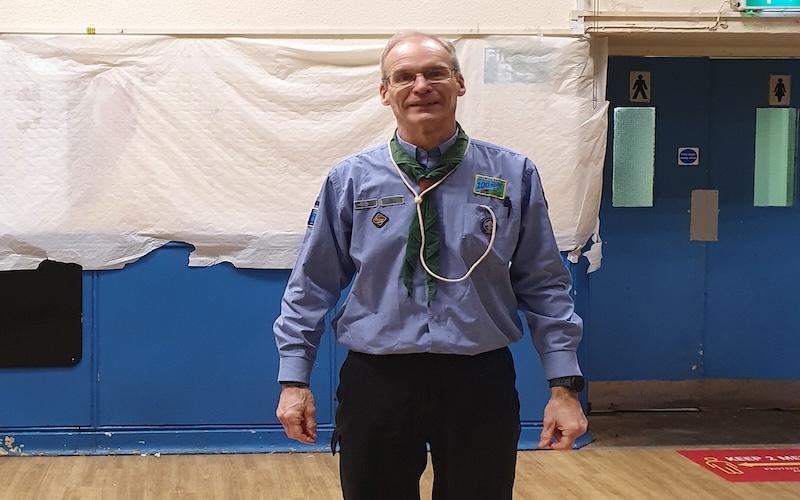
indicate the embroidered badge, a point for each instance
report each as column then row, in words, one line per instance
column 313, row 216
column 490, row 186
column 486, row 225
column 380, row 220
column 388, row 201
column 364, row 204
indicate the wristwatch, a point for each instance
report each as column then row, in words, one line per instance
column 574, row 383
column 288, row 383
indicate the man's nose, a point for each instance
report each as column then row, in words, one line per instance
column 420, row 82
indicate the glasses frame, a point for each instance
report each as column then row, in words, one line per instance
column 402, row 86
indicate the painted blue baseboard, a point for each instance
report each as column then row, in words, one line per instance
column 529, row 438
column 139, row 441
column 129, row 441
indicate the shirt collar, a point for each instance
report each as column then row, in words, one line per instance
column 435, row 152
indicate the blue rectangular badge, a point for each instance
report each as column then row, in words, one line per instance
column 313, row 215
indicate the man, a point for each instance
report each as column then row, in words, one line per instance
column 437, row 280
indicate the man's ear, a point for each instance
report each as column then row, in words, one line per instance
column 462, row 89
column 383, row 92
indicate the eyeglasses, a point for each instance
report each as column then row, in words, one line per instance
column 403, row 79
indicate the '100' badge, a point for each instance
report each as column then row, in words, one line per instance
column 490, row 186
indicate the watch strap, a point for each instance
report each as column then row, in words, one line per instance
column 574, row 383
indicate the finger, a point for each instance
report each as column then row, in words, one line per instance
column 292, row 421
column 564, row 441
column 546, row 437
column 293, row 428
column 310, row 427
column 306, row 439
column 310, row 420
column 308, row 432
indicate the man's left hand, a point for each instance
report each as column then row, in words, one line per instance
column 564, row 420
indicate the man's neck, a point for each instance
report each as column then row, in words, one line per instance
column 427, row 139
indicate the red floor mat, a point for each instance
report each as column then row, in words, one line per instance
column 749, row 465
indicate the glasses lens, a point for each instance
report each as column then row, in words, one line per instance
column 437, row 75
column 403, row 79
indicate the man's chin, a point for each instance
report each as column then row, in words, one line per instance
column 424, row 117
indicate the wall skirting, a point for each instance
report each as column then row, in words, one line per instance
column 156, row 441
column 152, row 441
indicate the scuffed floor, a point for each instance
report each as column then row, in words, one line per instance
column 694, row 427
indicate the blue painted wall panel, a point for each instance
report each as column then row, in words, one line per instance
column 187, row 346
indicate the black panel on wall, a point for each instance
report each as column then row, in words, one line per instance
column 40, row 316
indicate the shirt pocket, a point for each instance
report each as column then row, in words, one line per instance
column 476, row 232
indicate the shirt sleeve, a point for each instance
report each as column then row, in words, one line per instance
column 542, row 284
column 323, row 269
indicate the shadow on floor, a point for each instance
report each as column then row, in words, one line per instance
column 694, row 428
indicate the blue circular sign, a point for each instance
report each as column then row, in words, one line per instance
column 688, row 156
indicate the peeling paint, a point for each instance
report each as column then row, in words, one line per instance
column 8, row 447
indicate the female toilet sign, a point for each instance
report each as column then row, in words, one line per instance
column 780, row 90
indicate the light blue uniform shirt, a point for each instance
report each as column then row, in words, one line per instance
column 357, row 233
column 427, row 159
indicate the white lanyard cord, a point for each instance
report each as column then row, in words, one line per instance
column 418, row 203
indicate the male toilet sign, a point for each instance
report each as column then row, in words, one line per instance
column 780, row 90
column 639, row 87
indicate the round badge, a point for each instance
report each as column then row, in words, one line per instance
column 486, row 225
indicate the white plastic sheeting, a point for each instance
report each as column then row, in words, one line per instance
column 111, row 146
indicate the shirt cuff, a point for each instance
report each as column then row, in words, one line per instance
column 560, row 364
column 296, row 369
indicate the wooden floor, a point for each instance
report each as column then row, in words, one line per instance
column 633, row 456
column 624, row 473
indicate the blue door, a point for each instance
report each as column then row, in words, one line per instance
column 664, row 307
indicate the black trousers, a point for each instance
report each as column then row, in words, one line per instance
column 466, row 408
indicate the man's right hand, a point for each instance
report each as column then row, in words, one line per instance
column 297, row 413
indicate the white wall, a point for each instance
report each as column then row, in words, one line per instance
column 635, row 27
column 691, row 28
column 338, row 16
column 335, row 16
